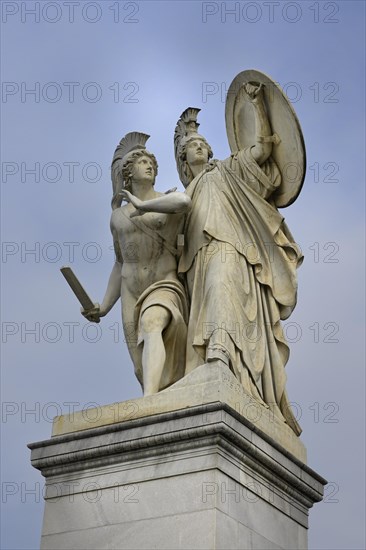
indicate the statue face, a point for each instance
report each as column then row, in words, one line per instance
column 143, row 170
column 197, row 152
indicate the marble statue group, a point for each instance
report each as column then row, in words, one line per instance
column 208, row 274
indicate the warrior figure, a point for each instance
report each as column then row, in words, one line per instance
column 239, row 259
column 144, row 276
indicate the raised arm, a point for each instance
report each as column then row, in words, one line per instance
column 170, row 203
column 264, row 139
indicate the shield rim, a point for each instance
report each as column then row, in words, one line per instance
column 289, row 191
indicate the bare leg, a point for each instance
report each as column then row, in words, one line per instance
column 153, row 321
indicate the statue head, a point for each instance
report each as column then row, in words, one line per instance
column 195, row 150
column 132, row 167
column 131, row 161
column 190, row 147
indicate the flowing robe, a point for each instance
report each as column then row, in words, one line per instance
column 240, row 262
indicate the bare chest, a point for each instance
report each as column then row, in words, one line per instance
column 126, row 227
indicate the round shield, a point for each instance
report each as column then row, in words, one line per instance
column 289, row 154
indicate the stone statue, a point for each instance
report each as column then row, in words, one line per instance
column 144, row 276
column 202, row 319
column 239, row 258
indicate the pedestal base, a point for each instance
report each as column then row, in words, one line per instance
column 206, row 384
column 197, row 477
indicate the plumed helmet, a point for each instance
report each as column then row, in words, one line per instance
column 185, row 131
column 130, row 143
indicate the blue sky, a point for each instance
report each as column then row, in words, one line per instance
column 137, row 67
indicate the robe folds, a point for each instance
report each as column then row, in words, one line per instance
column 240, row 263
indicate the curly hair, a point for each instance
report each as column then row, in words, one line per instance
column 122, row 174
column 184, row 170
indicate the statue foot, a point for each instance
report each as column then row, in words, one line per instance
column 152, row 391
column 217, row 355
column 217, row 363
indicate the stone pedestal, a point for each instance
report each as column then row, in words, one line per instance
column 197, row 476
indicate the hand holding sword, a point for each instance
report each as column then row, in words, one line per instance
column 89, row 310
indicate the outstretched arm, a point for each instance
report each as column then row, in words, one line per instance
column 170, row 203
column 264, row 140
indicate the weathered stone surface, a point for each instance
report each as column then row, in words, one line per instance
column 206, row 384
column 208, row 275
column 144, row 276
column 240, row 259
column 199, row 477
column 210, row 457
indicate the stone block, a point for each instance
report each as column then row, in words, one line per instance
column 197, row 477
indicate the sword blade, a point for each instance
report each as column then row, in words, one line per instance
column 77, row 288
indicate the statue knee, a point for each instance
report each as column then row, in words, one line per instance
column 155, row 319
